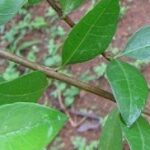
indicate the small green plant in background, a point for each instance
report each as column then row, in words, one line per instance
column 53, row 58
column 29, row 126
column 14, row 39
column 100, row 69
column 81, row 143
column 57, row 144
column 11, row 72
column 68, row 93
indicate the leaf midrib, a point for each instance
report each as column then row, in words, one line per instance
column 111, row 135
column 21, row 130
column 128, row 84
column 126, row 52
column 20, row 95
column 142, row 136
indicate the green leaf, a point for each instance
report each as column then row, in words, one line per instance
column 111, row 128
column 129, row 88
column 70, row 5
column 1, row 79
column 92, row 35
column 138, row 46
column 27, row 88
column 138, row 136
column 32, row 2
column 8, row 8
column 28, row 126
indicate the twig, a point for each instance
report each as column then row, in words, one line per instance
column 146, row 112
column 67, row 19
column 104, row 55
column 88, row 115
column 51, row 73
column 64, row 108
column 56, row 7
column 73, row 123
column 84, row 114
column 70, row 22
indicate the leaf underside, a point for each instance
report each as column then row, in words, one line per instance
column 129, row 88
column 138, row 46
column 8, row 8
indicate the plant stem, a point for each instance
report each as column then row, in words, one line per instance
column 104, row 55
column 51, row 73
column 70, row 22
column 56, row 7
column 56, row 75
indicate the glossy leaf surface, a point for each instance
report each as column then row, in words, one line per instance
column 27, row 88
column 34, row 1
column 8, row 8
column 129, row 88
column 28, row 126
column 138, row 46
column 92, row 35
column 138, row 136
column 111, row 137
column 70, row 5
